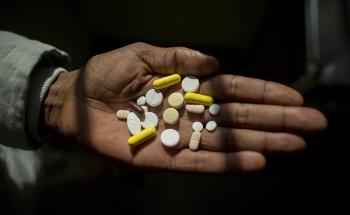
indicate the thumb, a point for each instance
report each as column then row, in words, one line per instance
column 180, row 60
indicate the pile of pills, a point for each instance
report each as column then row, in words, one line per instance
column 142, row 123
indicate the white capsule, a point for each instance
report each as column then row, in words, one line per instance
column 150, row 119
column 134, row 123
column 190, row 84
column 170, row 137
column 195, row 140
column 211, row 126
column 154, row 98
column 214, row 109
column 197, row 126
column 141, row 100
column 122, row 114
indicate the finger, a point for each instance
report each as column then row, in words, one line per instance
column 238, row 88
column 227, row 139
column 180, row 60
column 217, row 162
column 266, row 117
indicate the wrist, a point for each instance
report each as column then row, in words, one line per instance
column 59, row 92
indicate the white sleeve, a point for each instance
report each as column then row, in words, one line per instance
column 25, row 66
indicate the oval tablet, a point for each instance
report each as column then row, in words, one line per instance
column 195, row 108
column 150, row 120
column 195, row 140
column 154, row 98
column 170, row 137
column 122, row 114
column 133, row 122
column 214, row 109
column 190, row 84
column 197, row 126
column 171, row 116
column 211, row 126
column 176, row 100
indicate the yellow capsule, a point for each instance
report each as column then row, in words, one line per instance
column 166, row 81
column 142, row 136
column 197, row 98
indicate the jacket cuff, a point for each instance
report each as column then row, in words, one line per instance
column 40, row 83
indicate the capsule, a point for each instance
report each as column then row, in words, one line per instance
column 166, row 81
column 197, row 98
column 142, row 136
column 135, row 107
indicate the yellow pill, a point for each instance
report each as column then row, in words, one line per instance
column 171, row 116
column 166, row 81
column 142, row 136
column 197, row 98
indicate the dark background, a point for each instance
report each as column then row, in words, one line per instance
column 258, row 38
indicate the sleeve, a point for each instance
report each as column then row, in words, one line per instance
column 27, row 68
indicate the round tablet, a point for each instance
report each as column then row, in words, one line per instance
column 170, row 137
column 214, row 109
column 211, row 126
column 171, row 116
column 197, row 126
column 176, row 100
column 141, row 100
column 190, row 84
column 150, row 120
column 133, row 122
column 154, row 98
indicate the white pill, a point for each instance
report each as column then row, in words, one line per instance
column 197, row 126
column 145, row 108
column 195, row 140
column 141, row 100
column 122, row 114
column 170, row 137
column 134, row 123
column 154, row 98
column 190, row 84
column 195, row 108
column 214, row 109
column 150, row 119
column 211, row 126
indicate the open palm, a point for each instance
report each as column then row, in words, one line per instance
column 256, row 117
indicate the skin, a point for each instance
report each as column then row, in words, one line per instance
column 257, row 117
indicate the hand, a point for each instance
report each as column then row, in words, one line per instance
column 257, row 117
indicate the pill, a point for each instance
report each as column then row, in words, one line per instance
column 141, row 100
column 166, row 81
column 197, row 126
column 190, row 84
column 142, row 136
column 154, row 98
column 133, row 122
column 199, row 99
column 170, row 137
column 176, row 100
column 135, row 107
column 214, row 109
column 195, row 140
column 171, row 116
column 145, row 108
column 150, row 119
column 122, row 114
column 195, row 108
column 211, row 126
